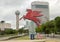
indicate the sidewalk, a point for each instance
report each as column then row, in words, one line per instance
column 52, row 40
column 47, row 40
column 24, row 41
column 10, row 37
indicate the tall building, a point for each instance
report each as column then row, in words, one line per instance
column 43, row 7
column 17, row 13
column 4, row 25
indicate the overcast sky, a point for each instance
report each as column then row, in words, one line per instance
column 8, row 8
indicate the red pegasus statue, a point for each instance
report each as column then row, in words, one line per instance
column 32, row 15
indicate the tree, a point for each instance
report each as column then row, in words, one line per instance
column 20, row 30
column 51, row 26
column 25, row 31
column 2, row 21
column 57, row 23
column 37, row 30
column 2, row 32
column 48, row 27
column 41, row 28
column 10, row 31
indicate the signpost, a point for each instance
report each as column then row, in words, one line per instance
column 32, row 16
column 32, row 30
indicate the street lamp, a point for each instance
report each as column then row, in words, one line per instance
column 17, row 13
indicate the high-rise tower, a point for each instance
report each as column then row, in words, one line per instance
column 17, row 19
column 43, row 7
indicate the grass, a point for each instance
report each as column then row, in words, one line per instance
column 23, row 38
column 26, row 38
column 7, row 35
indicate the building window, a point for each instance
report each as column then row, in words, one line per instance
column 41, row 6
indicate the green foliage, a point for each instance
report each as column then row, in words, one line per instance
column 9, row 31
column 38, row 30
column 20, row 30
column 25, row 31
column 57, row 23
column 2, row 32
column 48, row 27
column 52, row 26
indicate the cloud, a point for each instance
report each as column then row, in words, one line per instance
column 55, row 10
column 11, row 2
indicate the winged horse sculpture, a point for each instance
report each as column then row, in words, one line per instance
column 32, row 15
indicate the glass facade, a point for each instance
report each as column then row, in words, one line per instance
column 41, row 6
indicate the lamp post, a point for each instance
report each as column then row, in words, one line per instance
column 17, row 13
